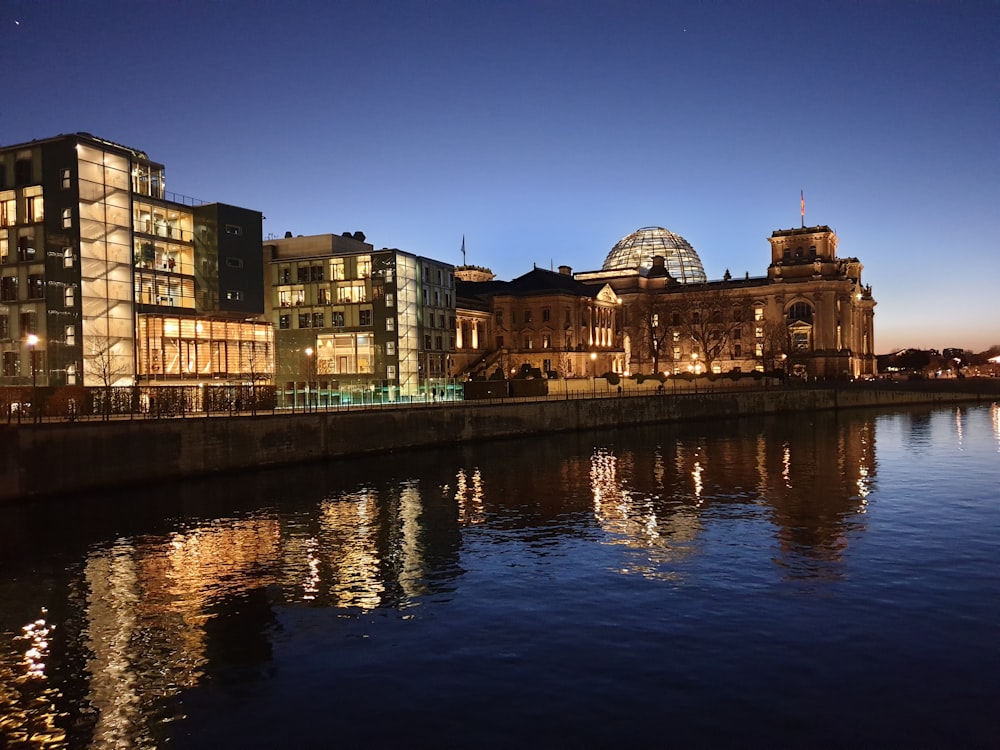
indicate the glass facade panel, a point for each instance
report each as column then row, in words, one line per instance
column 637, row 250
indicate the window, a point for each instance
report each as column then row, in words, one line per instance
column 547, row 365
column 427, row 341
column 22, row 171
column 302, row 274
column 675, row 319
column 800, row 340
column 234, row 229
column 390, row 324
column 67, row 218
column 4, row 326
column 758, row 332
column 438, row 343
column 337, row 318
column 499, row 342
column 322, row 296
column 69, row 334
column 305, row 320
column 29, row 322
column 10, row 363
column 318, row 321
column 737, row 333
column 8, row 289
column 527, row 316
column 758, row 350
column 68, row 257
column 232, row 262
column 390, row 372
column 34, row 210
column 527, row 342
column 499, row 317
column 337, row 269
column 234, row 295
column 66, row 178
column 737, row 350
column 284, row 276
column 4, row 246
column 800, row 311
column 36, row 286
column 546, row 314
column 26, row 245
column 315, row 273
column 8, row 209
column 390, row 348
column 365, row 317
column 390, row 300
column 284, row 322
column 546, row 341
column 364, row 267
column 70, row 297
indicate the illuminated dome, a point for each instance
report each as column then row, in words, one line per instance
column 636, row 252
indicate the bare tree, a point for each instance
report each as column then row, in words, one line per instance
column 108, row 368
column 256, row 367
column 709, row 317
column 775, row 343
column 648, row 317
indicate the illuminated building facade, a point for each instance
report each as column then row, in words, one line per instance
column 810, row 316
column 110, row 280
column 351, row 320
column 544, row 319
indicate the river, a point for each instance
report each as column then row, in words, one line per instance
column 824, row 580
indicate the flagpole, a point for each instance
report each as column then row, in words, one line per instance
column 802, row 207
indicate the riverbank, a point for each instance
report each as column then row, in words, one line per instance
column 60, row 458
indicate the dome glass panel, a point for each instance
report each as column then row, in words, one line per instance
column 636, row 251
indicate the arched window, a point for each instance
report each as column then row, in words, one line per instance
column 800, row 311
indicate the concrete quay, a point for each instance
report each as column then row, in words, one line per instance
column 59, row 458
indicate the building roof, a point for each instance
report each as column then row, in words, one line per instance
column 637, row 250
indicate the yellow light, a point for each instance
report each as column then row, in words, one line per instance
column 32, row 339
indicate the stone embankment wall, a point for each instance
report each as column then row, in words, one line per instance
column 60, row 458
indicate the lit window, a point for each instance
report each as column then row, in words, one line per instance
column 389, row 299
column 234, row 229
column 67, row 218
column 68, row 257
column 66, row 179
column 70, row 297
column 8, row 209
column 34, row 210
column 758, row 313
column 70, row 335
column 390, row 324
column 390, row 372
column 390, row 348
column 234, row 295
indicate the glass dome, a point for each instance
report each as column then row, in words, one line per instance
column 636, row 251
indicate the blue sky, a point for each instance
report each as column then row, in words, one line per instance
column 545, row 131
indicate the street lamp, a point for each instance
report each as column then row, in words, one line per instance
column 593, row 374
column 309, row 371
column 32, row 343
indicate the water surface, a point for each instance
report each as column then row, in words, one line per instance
column 812, row 581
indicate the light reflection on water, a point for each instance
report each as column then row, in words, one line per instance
column 121, row 618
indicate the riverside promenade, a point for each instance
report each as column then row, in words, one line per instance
column 54, row 459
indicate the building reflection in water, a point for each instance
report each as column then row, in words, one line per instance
column 149, row 615
column 809, row 479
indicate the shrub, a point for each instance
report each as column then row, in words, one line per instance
column 612, row 378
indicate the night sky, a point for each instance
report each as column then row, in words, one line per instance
column 543, row 132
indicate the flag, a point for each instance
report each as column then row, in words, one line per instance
column 802, row 202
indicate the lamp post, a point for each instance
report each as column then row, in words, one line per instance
column 309, row 371
column 32, row 343
column 593, row 374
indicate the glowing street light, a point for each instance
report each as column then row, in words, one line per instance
column 32, row 341
column 309, row 372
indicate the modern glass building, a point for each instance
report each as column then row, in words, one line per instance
column 115, row 280
column 353, row 323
